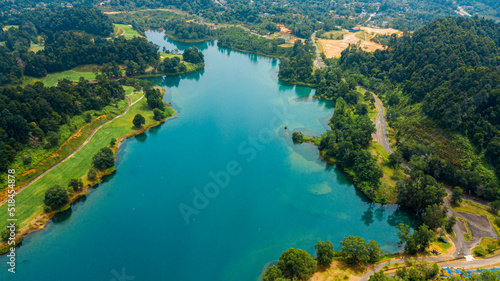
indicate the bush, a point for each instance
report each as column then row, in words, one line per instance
column 92, row 174
column 76, row 184
column 158, row 114
column 497, row 221
column 88, row 118
column 104, row 158
column 112, row 142
column 51, row 140
column 479, row 252
column 27, row 159
column 272, row 274
column 56, row 197
column 491, row 248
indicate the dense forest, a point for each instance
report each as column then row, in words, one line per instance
column 31, row 116
column 187, row 31
column 70, row 37
column 448, row 73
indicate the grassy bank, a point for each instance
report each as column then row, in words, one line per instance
column 125, row 30
column 29, row 202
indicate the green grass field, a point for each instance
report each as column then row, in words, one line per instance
column 52, row 78
column 35, row 47
column 29, row 202
column 7, row 27
column 125, row 30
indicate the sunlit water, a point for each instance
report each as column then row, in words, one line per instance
column 272, row 195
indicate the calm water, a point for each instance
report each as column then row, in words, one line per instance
column 278, row 195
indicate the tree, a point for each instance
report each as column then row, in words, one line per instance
column 296, row 263
column 112, row 142
column 92, row 174
column 324, row 253
column 51, row 140
column 354, row 250
column 158, row 114
column 416, row 242
column 76, row 184
column 104, row 158
column 55, row 197
column 374, row 251
column 456, row 195
column 451, row 223
column 139, row 120
column 272, row 274
column 434, row 216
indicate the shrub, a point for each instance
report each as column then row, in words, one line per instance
column 112, row 142
column 479, row 252
column 158, row 114
column 27, row 159
column 92, row 174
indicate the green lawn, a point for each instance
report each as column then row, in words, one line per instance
column 29, row 202
column 7, row 27
column 125, row 30
column 52, row 78
column 35, row 47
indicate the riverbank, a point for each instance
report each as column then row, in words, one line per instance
column 29, row 202
column 189, row 41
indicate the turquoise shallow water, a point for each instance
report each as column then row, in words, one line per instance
column 279, row 195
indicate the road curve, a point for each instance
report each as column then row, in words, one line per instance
column 78, row 149
column 318, row 63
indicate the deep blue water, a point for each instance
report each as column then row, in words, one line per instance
column 272, row 194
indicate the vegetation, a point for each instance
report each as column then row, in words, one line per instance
column 104, row 159
column 356, row 250
column 56, row 197
column 188, row 31
column 428, row 104
column 420, row 270
column 296, row 264
column 324, row 253
column 416, row 242
column 138, row 121
column 31, row 116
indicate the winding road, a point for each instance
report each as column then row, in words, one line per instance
column 130, row 103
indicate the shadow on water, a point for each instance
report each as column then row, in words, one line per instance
column 142, row 137
column 62, row 216
column 181, row 46
column 174, row 81
column 155, row 130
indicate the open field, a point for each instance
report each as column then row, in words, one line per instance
column 30, row 201
column 125, row 30
column 333, row 48
column 35, row 47
column 7, row 27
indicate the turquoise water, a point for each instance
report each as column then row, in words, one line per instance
column 272, row 194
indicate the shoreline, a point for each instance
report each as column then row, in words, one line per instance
column 40, row 221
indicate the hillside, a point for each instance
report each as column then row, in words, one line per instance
column 442, row 88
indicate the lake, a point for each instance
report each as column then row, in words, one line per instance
column 215, row 193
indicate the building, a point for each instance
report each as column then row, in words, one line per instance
column 354, row 29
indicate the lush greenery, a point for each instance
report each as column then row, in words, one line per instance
column 441, row 85
column 346, row 142
column 104, row 158
column 31, row 116
column 180, row 29
column 296, row 264
column 56, row 197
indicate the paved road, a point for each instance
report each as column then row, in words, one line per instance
column 318, row 63
column 78, row 149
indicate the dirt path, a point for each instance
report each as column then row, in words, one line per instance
column 79, row 148
column 318, row 63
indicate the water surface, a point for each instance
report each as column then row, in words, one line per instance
column 280, row 195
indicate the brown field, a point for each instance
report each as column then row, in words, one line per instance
column 381, row 31
column 334, row 48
